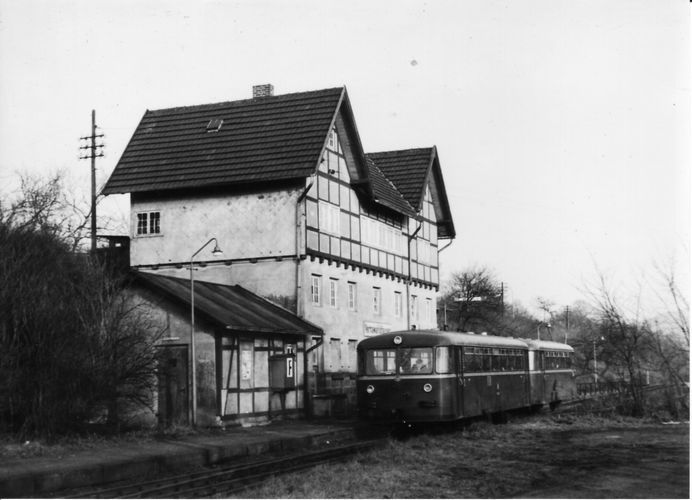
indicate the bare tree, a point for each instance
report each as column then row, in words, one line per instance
column 72, row 341
column 474, row 299
column 46, row 203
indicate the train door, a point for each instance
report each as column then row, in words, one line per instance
column 536, row 377
column 459, row 370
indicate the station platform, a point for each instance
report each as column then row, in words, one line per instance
column 40, row 476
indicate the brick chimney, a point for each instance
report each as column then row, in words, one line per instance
column 265, row 90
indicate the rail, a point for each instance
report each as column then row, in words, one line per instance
column 226, row 480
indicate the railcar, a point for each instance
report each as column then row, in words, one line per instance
column 551, row 373
column 432, row 376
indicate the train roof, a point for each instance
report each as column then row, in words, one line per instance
column 419, row 338
column 548, row 345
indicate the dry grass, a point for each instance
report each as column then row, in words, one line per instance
column 482, row 461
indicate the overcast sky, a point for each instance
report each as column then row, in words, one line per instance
column 563, row 127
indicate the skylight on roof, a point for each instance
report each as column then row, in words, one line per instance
column 214, row 124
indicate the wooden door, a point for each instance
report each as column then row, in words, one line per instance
column 173, row 395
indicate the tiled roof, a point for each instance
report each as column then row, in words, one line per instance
column 232, row 308
column 385, row 192
column 261, row 139
column 407, row 169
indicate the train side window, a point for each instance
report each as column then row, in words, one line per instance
column 443, row 360
column 487, row 358
column 471, row 361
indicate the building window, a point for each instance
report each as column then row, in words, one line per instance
column 397, row 304
column 155, row 223
column 352, row 354
column 315, row 289
column 351, row 296
column 376, row 300
column 142, row 223
column 333, row 285
column 428, row 310
column 148, row 223
column 335, row 354
column 380, row 235
column 414, row 308
column 330, row 217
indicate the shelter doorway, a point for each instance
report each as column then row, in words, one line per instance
column 173, row 385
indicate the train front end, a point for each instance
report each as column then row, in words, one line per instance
column 406, row 377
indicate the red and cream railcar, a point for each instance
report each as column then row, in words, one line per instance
column 551, row 373
column 433, row 376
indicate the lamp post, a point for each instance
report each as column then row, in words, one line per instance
column 595, row 364
column 193, row 406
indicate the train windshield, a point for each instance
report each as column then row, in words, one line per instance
column 408, row 360
column 415, row 360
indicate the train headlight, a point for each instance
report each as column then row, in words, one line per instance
column 427, row 387
column 370, row 389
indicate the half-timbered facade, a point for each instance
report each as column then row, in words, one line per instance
column 345, row 240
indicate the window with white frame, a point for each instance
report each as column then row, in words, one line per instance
column 330, row 216
column 380, row 235
column 352, row 355
column 398, row 301
column 376, row 300
column 148, row 223
column 352, row 298
column 333, row 290
column 315, row 288
column 423, row 252
column 428, row 310
column 335, row 354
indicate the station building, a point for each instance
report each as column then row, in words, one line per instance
column 336, row 243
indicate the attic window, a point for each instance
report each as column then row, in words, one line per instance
column 214, row 125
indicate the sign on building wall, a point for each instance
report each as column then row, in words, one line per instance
column 371, row 328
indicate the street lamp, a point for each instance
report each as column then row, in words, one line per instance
column 216, row 252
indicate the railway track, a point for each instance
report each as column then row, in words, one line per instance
column 226, row 479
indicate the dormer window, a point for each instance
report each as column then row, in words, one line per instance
column 214, row 124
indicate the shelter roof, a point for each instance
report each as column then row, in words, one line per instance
column 231, row 307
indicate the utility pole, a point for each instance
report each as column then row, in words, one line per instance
column 566, row 322
column 567, row 317
column 92, row 151
column 502, row 297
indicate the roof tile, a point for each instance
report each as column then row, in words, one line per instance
column 267, row 138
